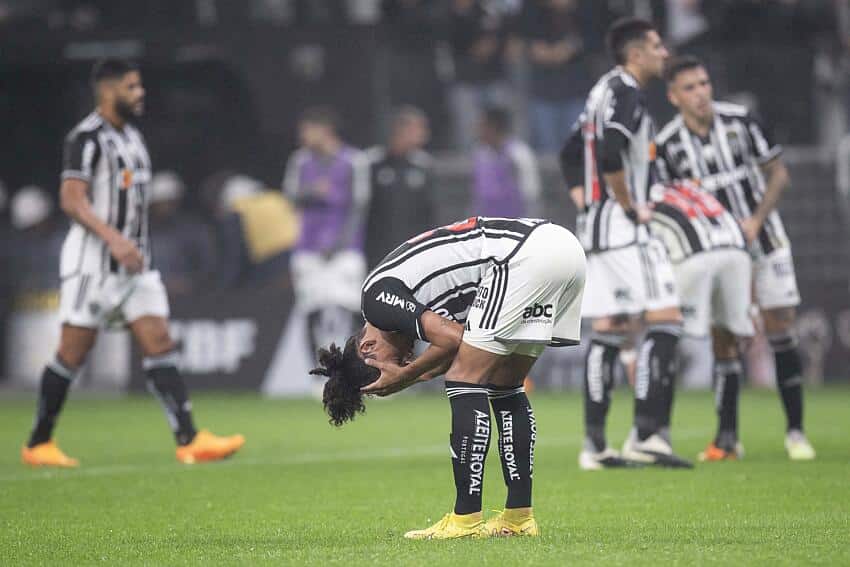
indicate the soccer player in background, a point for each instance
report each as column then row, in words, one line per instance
column 713, row 272
column 488, row 295
column 402, row 201
column 734, row 158
column 328, row 181
column 106, row 271
column 607, row 163
column 506, row 180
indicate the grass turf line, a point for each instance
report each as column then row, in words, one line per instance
column 304, row 492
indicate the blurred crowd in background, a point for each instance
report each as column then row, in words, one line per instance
column 499, row 82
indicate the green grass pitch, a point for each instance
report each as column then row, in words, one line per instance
column 302, row 492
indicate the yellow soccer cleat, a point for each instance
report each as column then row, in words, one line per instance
column 47, row 454
column 208, row 447
column 509, row 523
column 452, row 526
column 798, row 447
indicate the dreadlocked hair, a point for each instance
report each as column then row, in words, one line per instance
column 346, row 373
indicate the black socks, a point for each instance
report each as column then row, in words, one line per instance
column 517, row 435
column 655, row 380
column 600, row 362
column 789, row 378
column 727, row 379
column 165, row 382
column 469, row 442
column 55, row 381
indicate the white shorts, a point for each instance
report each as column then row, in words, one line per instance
column 715, row 290
column 532, row 300
column 320, row 281
column 629, row 280
column 96, row 300
column 774, row 281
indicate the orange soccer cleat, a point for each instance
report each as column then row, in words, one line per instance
column 715, row 453
column 47, row 454
column 208, row 447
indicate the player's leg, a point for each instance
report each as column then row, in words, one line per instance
column 779, row 327
column 80, row 312
column 732, row 326
column 147, row 310
column 74, row 345
column 610, row 335
column 469, row 441
column 727, row 380
column 611, row 301
column 517, row 429
column 657, row 362
column 777, row 296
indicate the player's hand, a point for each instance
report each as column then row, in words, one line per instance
column 644, row 214
column 751, row 227
column 126, row 253
column 393, row 379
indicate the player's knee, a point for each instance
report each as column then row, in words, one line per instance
column 71, row 357
column 779, row 321
column 725, row 344
column 462, row 371
column 615, row 325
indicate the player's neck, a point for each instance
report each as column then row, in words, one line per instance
column 697, row 126
column 330, row 147
column 111, row 116
column 639, row 76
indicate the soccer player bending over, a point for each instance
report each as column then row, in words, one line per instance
column 488, row 294
column 106, row 269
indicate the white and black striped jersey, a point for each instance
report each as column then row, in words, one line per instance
column 689, row 221
column 615, row 119
column 727, row 164
column 439, row 271
column 117, row 167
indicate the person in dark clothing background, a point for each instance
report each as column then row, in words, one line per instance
column 402, row 203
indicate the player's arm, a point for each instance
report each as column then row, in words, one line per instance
column 433, row 362
column 80, row 157
column 619, row 129
column 768, row 156
column 571, row 159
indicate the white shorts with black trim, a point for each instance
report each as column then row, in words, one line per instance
column 96, row 300
column 715, row 290
column 774, row 279
column 629, row 280
column 532, row 299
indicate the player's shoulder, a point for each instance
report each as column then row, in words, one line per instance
column 731, row 110
column 375, row 154
column 669, row 130
column 621, row 83
column 87, row 128
column 421, row 158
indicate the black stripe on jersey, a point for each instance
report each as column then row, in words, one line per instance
column 407, row 250
column 445, row 297
column 495, row 288
column 502, row 293
column 597, row 228
column 81, row 292
column 446, row 270
column 682, row 222
column 648, row 273
column 511, row 225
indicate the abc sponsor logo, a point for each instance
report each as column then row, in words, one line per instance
column 537, row 314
